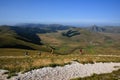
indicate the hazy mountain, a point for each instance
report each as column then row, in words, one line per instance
column 108, row 29
column 52, row 27
column 96, row 28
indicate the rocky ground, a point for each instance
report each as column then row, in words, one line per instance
column 66, row 72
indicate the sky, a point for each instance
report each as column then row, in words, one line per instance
column 105, row 12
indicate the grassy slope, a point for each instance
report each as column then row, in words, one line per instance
column 20, row 63
column 9, row 39
column 93, row 43
column 13, row 42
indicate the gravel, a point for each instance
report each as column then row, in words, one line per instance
column 67, row 72
column 2, row 75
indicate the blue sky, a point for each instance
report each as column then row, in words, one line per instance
column 60, row 11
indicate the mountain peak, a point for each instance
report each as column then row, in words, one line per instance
column 96, row 28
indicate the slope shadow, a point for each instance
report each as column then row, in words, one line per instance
column 28, row 34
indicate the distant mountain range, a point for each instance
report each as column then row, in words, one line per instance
column 109, row 29
column 52, row 27
column 61, row 38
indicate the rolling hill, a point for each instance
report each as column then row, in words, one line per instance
column 16, row 37
column 25, row 36
column 61, row 39
column 65, row 42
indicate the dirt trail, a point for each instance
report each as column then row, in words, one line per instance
column 82, row 55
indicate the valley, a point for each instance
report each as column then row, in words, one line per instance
column 48, row 47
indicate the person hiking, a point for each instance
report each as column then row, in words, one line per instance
column 26, row 53
column 39, row 53
column 81, row 51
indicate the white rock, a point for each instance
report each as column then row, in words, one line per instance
column 67, row 72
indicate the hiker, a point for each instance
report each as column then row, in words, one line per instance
column 51, row 51
column 81, row 51
column 26, row 53
column 39, row 53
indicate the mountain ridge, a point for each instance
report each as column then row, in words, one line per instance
column 59, row 38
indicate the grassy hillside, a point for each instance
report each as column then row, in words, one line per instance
column 25, row 36
column 15, row 41
column 20, row 63
column 10, row 38
column 60, row 39
column 91, row 42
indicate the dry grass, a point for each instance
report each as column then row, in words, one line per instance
column 105, row 43
column 49, row 39
column 14, row 60
column 18, row 52
column 16, row 64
